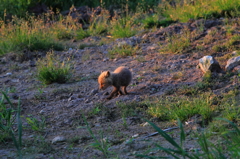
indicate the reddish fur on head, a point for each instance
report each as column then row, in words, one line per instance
column 104, row 80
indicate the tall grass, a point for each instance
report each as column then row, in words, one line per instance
column 183, row 11
column 32, row 34
column 208, row 149
column 9, row 116
column 123, row 27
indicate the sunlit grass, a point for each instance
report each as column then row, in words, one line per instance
column 202, row 9
column 51, row 69
column 183, row 107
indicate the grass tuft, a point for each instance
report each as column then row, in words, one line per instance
column 172, row 108
column 51, row 69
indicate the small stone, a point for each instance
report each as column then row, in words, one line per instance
column 42, row 111
column 136, row 135
column 58, row 139
column 208, row 63
column 15, row 80
column 145, row 124
column 233, row 62
column 106, row 59
column 8, row 74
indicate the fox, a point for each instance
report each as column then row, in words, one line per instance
column 121, row 77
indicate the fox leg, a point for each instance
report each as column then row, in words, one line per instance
column 125, row 90
column 115, row 90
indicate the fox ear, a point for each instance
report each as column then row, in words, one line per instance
column 107, row 74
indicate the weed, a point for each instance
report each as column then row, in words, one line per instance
column 81, row 34
column 74, row 140
column 233, row 43
column 8, row 117
column 155, row 21
column 177, row 75
column 100, row 144
column 177, row 43
column 208, row 149
column 99, row 24
column 122, row 51
column 36, row 125
column 51, row 69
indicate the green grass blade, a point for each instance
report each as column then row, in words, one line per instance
column 182, row 133
column 8, row 100
column 165, row 135
column 19, row 123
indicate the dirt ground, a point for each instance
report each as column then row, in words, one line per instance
column 63, row 107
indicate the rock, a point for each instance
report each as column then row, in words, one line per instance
column 42, row 111
column 135, row 136
column 233, row 62
column 105, row 59
column 8, row 74
column 208, row 63
column 94, row 91
column 58, row 139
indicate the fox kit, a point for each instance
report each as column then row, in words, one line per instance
column 121, row 77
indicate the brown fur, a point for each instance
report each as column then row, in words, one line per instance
column 121, row 77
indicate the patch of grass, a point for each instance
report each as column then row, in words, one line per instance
column 155, row 21
column 9, row 117
column 51, row 69
column 177, row 43
column 230, row 107
column 183, row 11
column 177, row 75
column 233, row 43
column 122, row 51
column 122, row 28
column 35, row 124
column 99, row 24
column 31, row 34
column 81, row 33
column 171, row 108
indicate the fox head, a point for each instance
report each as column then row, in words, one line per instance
column 104, row 80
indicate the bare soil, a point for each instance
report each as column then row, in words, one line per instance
column 64, row 106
